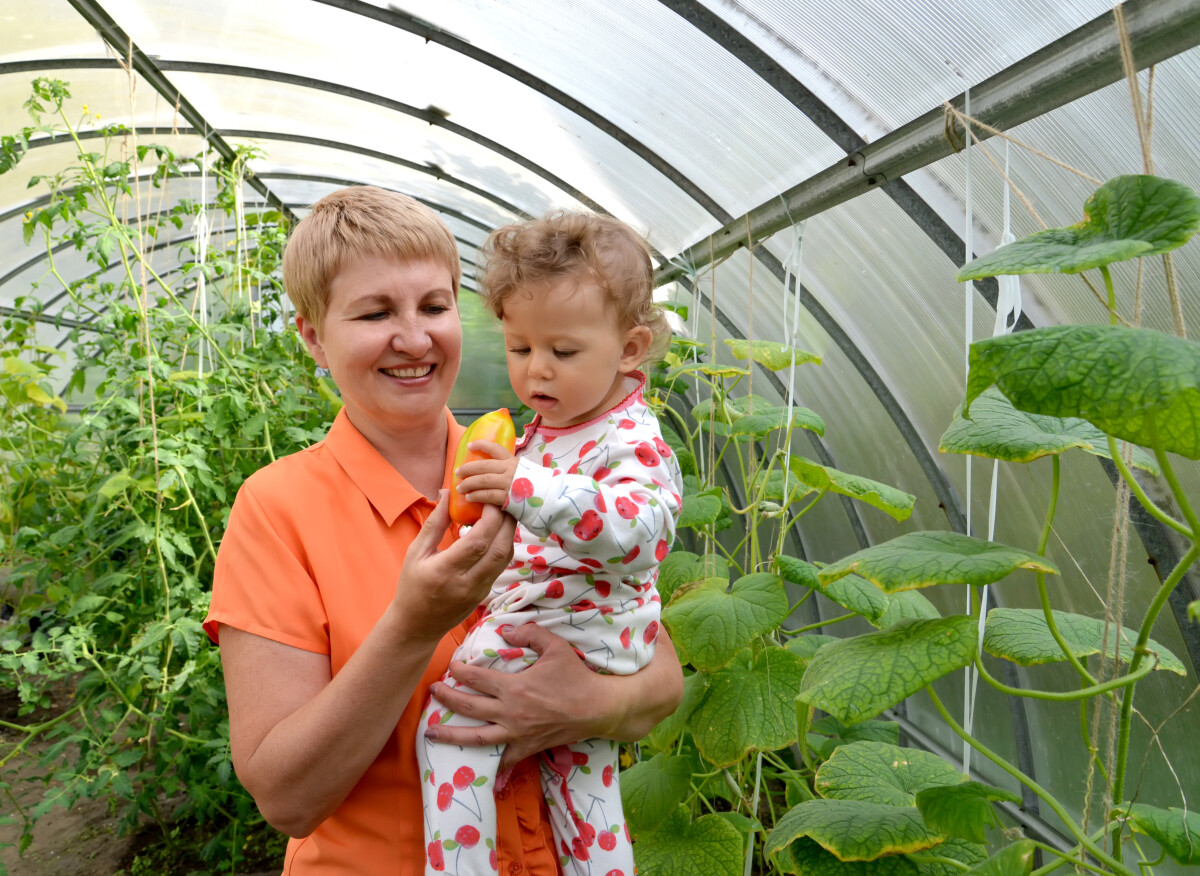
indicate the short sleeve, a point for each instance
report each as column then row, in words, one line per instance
column 261, row 583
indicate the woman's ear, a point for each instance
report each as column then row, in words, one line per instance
column 637, row 345
column 308, row 332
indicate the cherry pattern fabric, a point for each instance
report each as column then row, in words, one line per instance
column 596, row 506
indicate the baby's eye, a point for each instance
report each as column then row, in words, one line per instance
column 565, row 354
column 519, row 351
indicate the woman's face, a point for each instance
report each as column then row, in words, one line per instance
column 392, row 342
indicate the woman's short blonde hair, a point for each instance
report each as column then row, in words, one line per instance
column 357, row 223
column 599, row 248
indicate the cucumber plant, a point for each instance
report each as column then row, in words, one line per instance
column 778, row 759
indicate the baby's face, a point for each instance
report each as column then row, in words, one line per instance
column 566, row 352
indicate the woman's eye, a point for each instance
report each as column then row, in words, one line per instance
column 436, row 309
column 377, row 315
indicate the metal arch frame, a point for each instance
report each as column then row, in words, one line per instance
column 430, row 170
column 940, row 484
column 115, row 36
column 430, row 33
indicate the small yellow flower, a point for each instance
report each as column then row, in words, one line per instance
column 28, row 214
column 97, row 116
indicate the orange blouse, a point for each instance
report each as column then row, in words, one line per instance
column 310, row 558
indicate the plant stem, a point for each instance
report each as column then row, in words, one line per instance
column 1168, row 472
column 1043, row 594
column 1112, row 295
column 1139, row 652
column 1065, row 696
column 1045, row 795
column 824, row 623
column 1157, row 513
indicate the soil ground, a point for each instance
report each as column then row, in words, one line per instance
column 81, row 841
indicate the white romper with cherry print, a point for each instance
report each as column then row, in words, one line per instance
column 596, row 506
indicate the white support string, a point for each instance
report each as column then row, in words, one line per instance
column 1008, row 306
column 968, row 335
column 795, row 256
column 200, row 227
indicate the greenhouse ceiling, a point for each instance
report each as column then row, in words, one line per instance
column 769, row 151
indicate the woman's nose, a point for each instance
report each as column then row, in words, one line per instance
column 409, row 336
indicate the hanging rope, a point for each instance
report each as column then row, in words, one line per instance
column 795, row 256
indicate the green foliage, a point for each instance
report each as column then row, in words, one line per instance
column 112, row 512
column 1127, row 217
column 997, row 430
column 834, row 794
column 1085, row 371
column 1023, row 636
column 923, row 559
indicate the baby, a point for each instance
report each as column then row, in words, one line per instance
column 596, row 492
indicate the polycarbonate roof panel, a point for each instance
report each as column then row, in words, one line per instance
column 881, row 65
column 399, row 66
column 1095, row 135
column 297, row 158
column 735, row 136
column 56, row 31
column 241, row 103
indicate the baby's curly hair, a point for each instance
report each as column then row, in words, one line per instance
column 604, row 250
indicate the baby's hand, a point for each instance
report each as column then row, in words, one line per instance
column 487, row 480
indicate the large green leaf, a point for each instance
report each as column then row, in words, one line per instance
column 1127, row 217
column 709, row 625
column 1177, row 831
column 853, row 830
column 1015, row 860
column 906, row 605
column 805, row 858
column 699, row 510
column 652, row 790
column 858, row 678
column 997, row 430
column 711, row 369
column 669, row 729
column 962, row 810
column 751, row 706
column 762, row 422
column 682, row 847
column 1130, row 383
column 891, row 501
column 1022, row 636
column 882, row 773
column 770, row 486
column 922, row 559
column 684, row 567
column 807, row 645
column 771, row 354
column 887, row 732
column 851, row 591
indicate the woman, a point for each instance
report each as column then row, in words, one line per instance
column 339, row 594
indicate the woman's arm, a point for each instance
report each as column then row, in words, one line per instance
column 558, row 700
column 302, row 739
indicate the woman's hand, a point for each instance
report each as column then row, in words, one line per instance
column 558, row 700
column 438, row 589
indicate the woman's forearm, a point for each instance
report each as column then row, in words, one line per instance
column 302, row 740
column 640, row 701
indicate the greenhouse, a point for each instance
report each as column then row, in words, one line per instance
column 930, row 399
